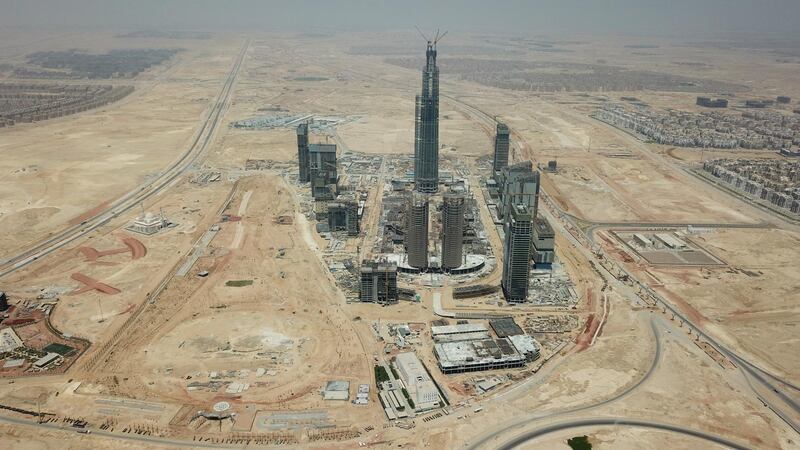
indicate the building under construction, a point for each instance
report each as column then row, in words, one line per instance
column 416, row 232
column 343, row 216
column 709, row 103
column 378, row 282
column 426, row 130
column 518, row 185
column 543, row 246
column 502, row 143
column 452, row 231
column 302, row 153
column 322, row 171
column 516, row 255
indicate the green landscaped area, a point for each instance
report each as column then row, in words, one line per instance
column 381, row 375
column 579, row 443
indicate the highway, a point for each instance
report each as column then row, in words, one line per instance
column 201, row 140
column 751, row 372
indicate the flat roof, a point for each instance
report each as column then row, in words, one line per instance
column 543, row 226
column 477, row 352
column 670, row 240
column 505, row 327
column 46, row 359
column 524, row 343
column 456, row 329
column 322, row 148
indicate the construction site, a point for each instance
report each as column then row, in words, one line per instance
column 289, row 241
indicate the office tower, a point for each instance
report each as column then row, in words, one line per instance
column 322, row 171
column 378, row 282
column 502, row 143
column 516, row 255
column 416, row 234
column 518, row 185
column 452, row 231
column 343, row 216
column 302, row 152
column 426, row 131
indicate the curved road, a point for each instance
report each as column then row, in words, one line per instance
column 748, row 369
column 617, row 421
column 141, row 193
column 532, row 418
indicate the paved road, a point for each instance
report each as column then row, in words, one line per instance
column 751, row 372
column 486, row 439
column 617, row 422
column 141, row 193
column 108, row 434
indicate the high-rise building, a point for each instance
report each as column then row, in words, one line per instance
column 502, row 143
column 416, row 233
column 343, row 216
column 322, row 170
column 426, row 131
column 302, row 153
column 516, row 255
column 378, row 282
column 518, row 185
column 453, row 206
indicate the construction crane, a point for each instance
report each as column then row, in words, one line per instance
column 435, row 39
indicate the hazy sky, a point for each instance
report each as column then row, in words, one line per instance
column 516, row 16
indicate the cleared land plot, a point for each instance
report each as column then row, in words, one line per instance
column 753, row 303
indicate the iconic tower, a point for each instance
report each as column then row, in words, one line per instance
column 417, row 232
column 452, row 231
column 302, row 152
column 501, row 144
column 516, row 254
column 426, row 131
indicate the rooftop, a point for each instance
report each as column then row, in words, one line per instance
column 477, row 352
column 322, row 148
column 455, row 329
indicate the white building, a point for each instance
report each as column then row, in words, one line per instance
column 9, row 340
column 419, row 384
column 149, row 224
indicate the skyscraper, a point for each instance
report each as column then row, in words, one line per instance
column 518, row 185
column 452, row 231
column 416, row 234
column 302, row 152
column 516, row 254
column 426, row 131
column 501, row 146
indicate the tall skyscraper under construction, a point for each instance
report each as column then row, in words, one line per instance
column 516, row 254
column 302, row 153
column 426, row 131
column 452, row 231
column 501, row 146
column 416, row 233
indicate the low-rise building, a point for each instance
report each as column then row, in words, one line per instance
column 421, row 388
column 477, row 355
